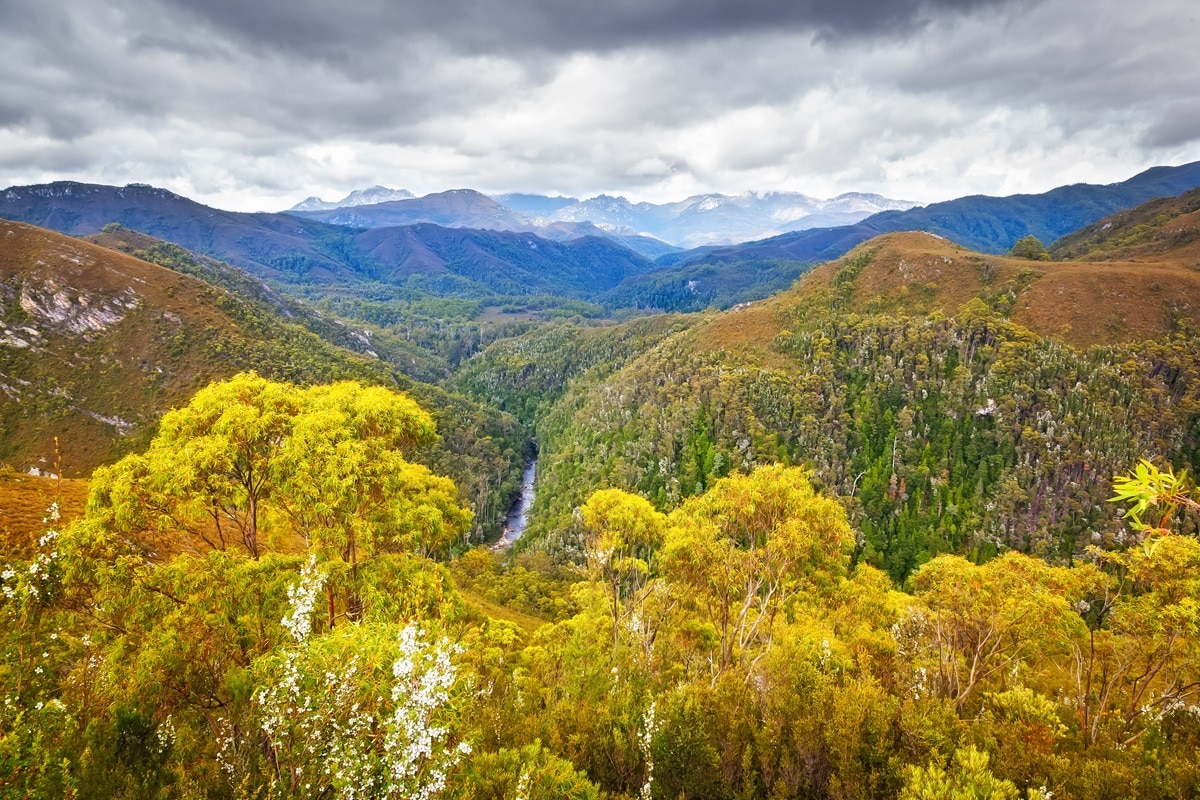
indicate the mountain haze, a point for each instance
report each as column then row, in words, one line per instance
column 987, row 224
column 699, row 220
column 457, row 208
column 723, row 219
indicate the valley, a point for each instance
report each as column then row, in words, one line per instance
column 828, row 514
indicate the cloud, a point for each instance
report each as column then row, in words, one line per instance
column 254, row 105
column 1180, row 125
column 336, row 32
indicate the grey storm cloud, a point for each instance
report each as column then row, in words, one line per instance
column 314, row 26
column 284, row 98
column 1181, row 125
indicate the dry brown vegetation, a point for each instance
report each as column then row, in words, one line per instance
column 749, row 329
column 95, row 345
column 1081, row 303
column 24, row 500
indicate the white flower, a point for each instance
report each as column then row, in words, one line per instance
column 303, row 598
column 396, row 750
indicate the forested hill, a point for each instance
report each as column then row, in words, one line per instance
column 1080, row 303
column 958, row 402
column 1167, row 228
column 96, row 345
column 853, row 541
column 994, row 224
column 270, row 245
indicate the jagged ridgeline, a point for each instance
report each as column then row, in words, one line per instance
column 95, row 345
column 959, row 402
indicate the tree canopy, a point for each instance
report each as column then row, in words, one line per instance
column 1030, row 247
column 260, row 465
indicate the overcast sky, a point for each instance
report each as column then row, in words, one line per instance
column 256, row 104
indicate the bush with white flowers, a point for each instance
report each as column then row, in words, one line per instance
column 363, row 711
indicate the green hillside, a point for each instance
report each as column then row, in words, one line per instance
column 96, row 345
column 1163, row 229
column 957, row 402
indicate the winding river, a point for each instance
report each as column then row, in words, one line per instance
column 518, row 515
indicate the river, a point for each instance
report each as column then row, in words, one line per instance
column 518, row 515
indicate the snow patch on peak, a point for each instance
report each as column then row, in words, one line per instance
column 359, row 197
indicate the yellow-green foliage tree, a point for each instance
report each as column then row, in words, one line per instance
column 742, row 549
column 1030, row 247
column 163, row 639
column 968, row 779
column 326, row 464
column 624, row 533
column 978, row 622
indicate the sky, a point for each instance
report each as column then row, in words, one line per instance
column 256, row 104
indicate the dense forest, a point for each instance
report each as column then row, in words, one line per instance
column 874, row 537
column 254, row 607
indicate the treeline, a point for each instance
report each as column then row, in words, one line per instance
column 700, row 286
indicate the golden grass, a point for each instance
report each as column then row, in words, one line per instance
column 748, row 329
column 1103, row 303
column 24, row 500
column 1079, row 303
column 130, row 371
column 494, row 611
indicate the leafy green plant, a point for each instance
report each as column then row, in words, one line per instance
column 1149, row 487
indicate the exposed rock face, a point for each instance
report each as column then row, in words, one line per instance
column 50, row 307
column 65, row 308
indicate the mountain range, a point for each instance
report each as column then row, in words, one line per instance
column 463, row 244
column 707, row 219
column 293, row 249
column 358, row 197
column 987, row 224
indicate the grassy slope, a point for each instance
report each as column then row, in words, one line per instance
column 372, row 341
column 113, row 341
column 1165, row 229
column 1080, row 303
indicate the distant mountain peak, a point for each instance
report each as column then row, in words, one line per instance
column 359, row 197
